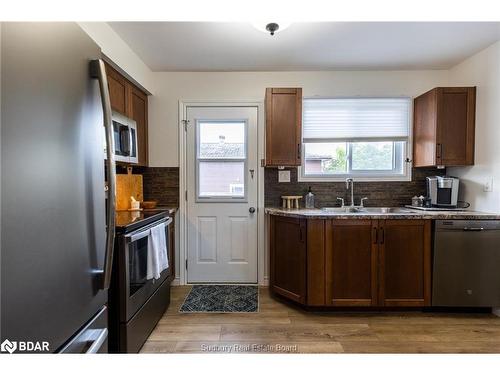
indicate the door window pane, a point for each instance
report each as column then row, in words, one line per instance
column 221, row 140
column 325, row 158
column 221, row 179
column 373, row 156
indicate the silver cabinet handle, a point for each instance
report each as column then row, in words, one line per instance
column 98, row 71
column 96, row 345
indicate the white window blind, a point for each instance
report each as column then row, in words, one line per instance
column 355, row 119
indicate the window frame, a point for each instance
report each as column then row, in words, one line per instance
column 364, row 175
column 198, row 159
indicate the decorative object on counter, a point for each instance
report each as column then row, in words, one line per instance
column 415, row 201
column 310, row 199
column 421, row 201
column 221, row 298
column 128, row 185
column 418, row 201
column 149, row 204
column 134, row 204
column 291, row 201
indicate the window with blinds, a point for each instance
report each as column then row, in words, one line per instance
column 366, row 138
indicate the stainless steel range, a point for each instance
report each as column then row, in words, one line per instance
column 137, row 298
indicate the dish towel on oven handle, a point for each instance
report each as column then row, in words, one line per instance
column 157, row 252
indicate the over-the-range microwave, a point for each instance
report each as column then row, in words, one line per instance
column 125, row 138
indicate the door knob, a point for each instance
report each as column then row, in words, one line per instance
column 251, row 210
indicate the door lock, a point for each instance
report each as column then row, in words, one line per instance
column 251, row 210
column 251, row 173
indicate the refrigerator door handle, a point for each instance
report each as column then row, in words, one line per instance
column 98, row 71
column 96, row 345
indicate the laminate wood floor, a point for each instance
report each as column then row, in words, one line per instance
column 279, row 327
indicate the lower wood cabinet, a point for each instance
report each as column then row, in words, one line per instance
column 288, row 257
column 351, row 262
column 404, row 263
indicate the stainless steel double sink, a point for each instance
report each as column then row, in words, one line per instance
column 367, row 210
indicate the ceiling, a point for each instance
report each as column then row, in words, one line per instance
column 222, row 46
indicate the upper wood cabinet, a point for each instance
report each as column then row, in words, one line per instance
column 351, row 263
column 138, row 110
column 404, row 263
column 129, row 100
column 283, row 126
column 443, row 127
column 288, row 257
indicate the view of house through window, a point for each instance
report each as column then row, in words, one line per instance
column 221, row 159
column 356, row 137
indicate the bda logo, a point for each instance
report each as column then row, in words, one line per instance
column 8, row 346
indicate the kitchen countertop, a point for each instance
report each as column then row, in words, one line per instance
column 318, row 213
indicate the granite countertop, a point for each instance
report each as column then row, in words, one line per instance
column 406, row 213
column 170, row 210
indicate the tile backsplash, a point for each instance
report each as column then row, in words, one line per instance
column 381, row 194
column 160, row 184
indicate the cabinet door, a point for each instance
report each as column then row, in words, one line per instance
column 455, row 126
column 351, row 263
column 404, row 262
column 138, row 111
column 283, row 126
column 118, row 92
column 288, row 257
column 424, row 129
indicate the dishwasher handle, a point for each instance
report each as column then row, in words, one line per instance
column 473, row 229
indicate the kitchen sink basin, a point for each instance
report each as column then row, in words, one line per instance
column 351, row 210
column 367, row 210
column 387, row 210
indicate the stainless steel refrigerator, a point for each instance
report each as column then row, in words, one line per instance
column 55, row 256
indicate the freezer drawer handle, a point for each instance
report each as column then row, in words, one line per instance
column 96, row 345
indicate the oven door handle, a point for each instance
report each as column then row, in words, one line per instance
column 98, row 71
column 135, row 236
column 138, row 236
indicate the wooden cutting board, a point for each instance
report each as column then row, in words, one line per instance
column 128, row 185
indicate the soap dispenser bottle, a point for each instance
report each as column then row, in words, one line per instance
column 310, row 199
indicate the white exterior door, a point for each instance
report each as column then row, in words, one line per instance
column 222, row 194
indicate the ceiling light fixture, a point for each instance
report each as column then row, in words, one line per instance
column 271, row 27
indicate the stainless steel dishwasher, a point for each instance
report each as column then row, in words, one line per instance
column 466, row 269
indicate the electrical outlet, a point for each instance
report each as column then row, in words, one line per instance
column 488, row 185
column 283, row 176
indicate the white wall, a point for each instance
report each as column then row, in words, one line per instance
column 171, row 87
column 482, row 70
column 119, row 52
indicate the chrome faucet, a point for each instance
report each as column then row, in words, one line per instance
column 349, row 182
